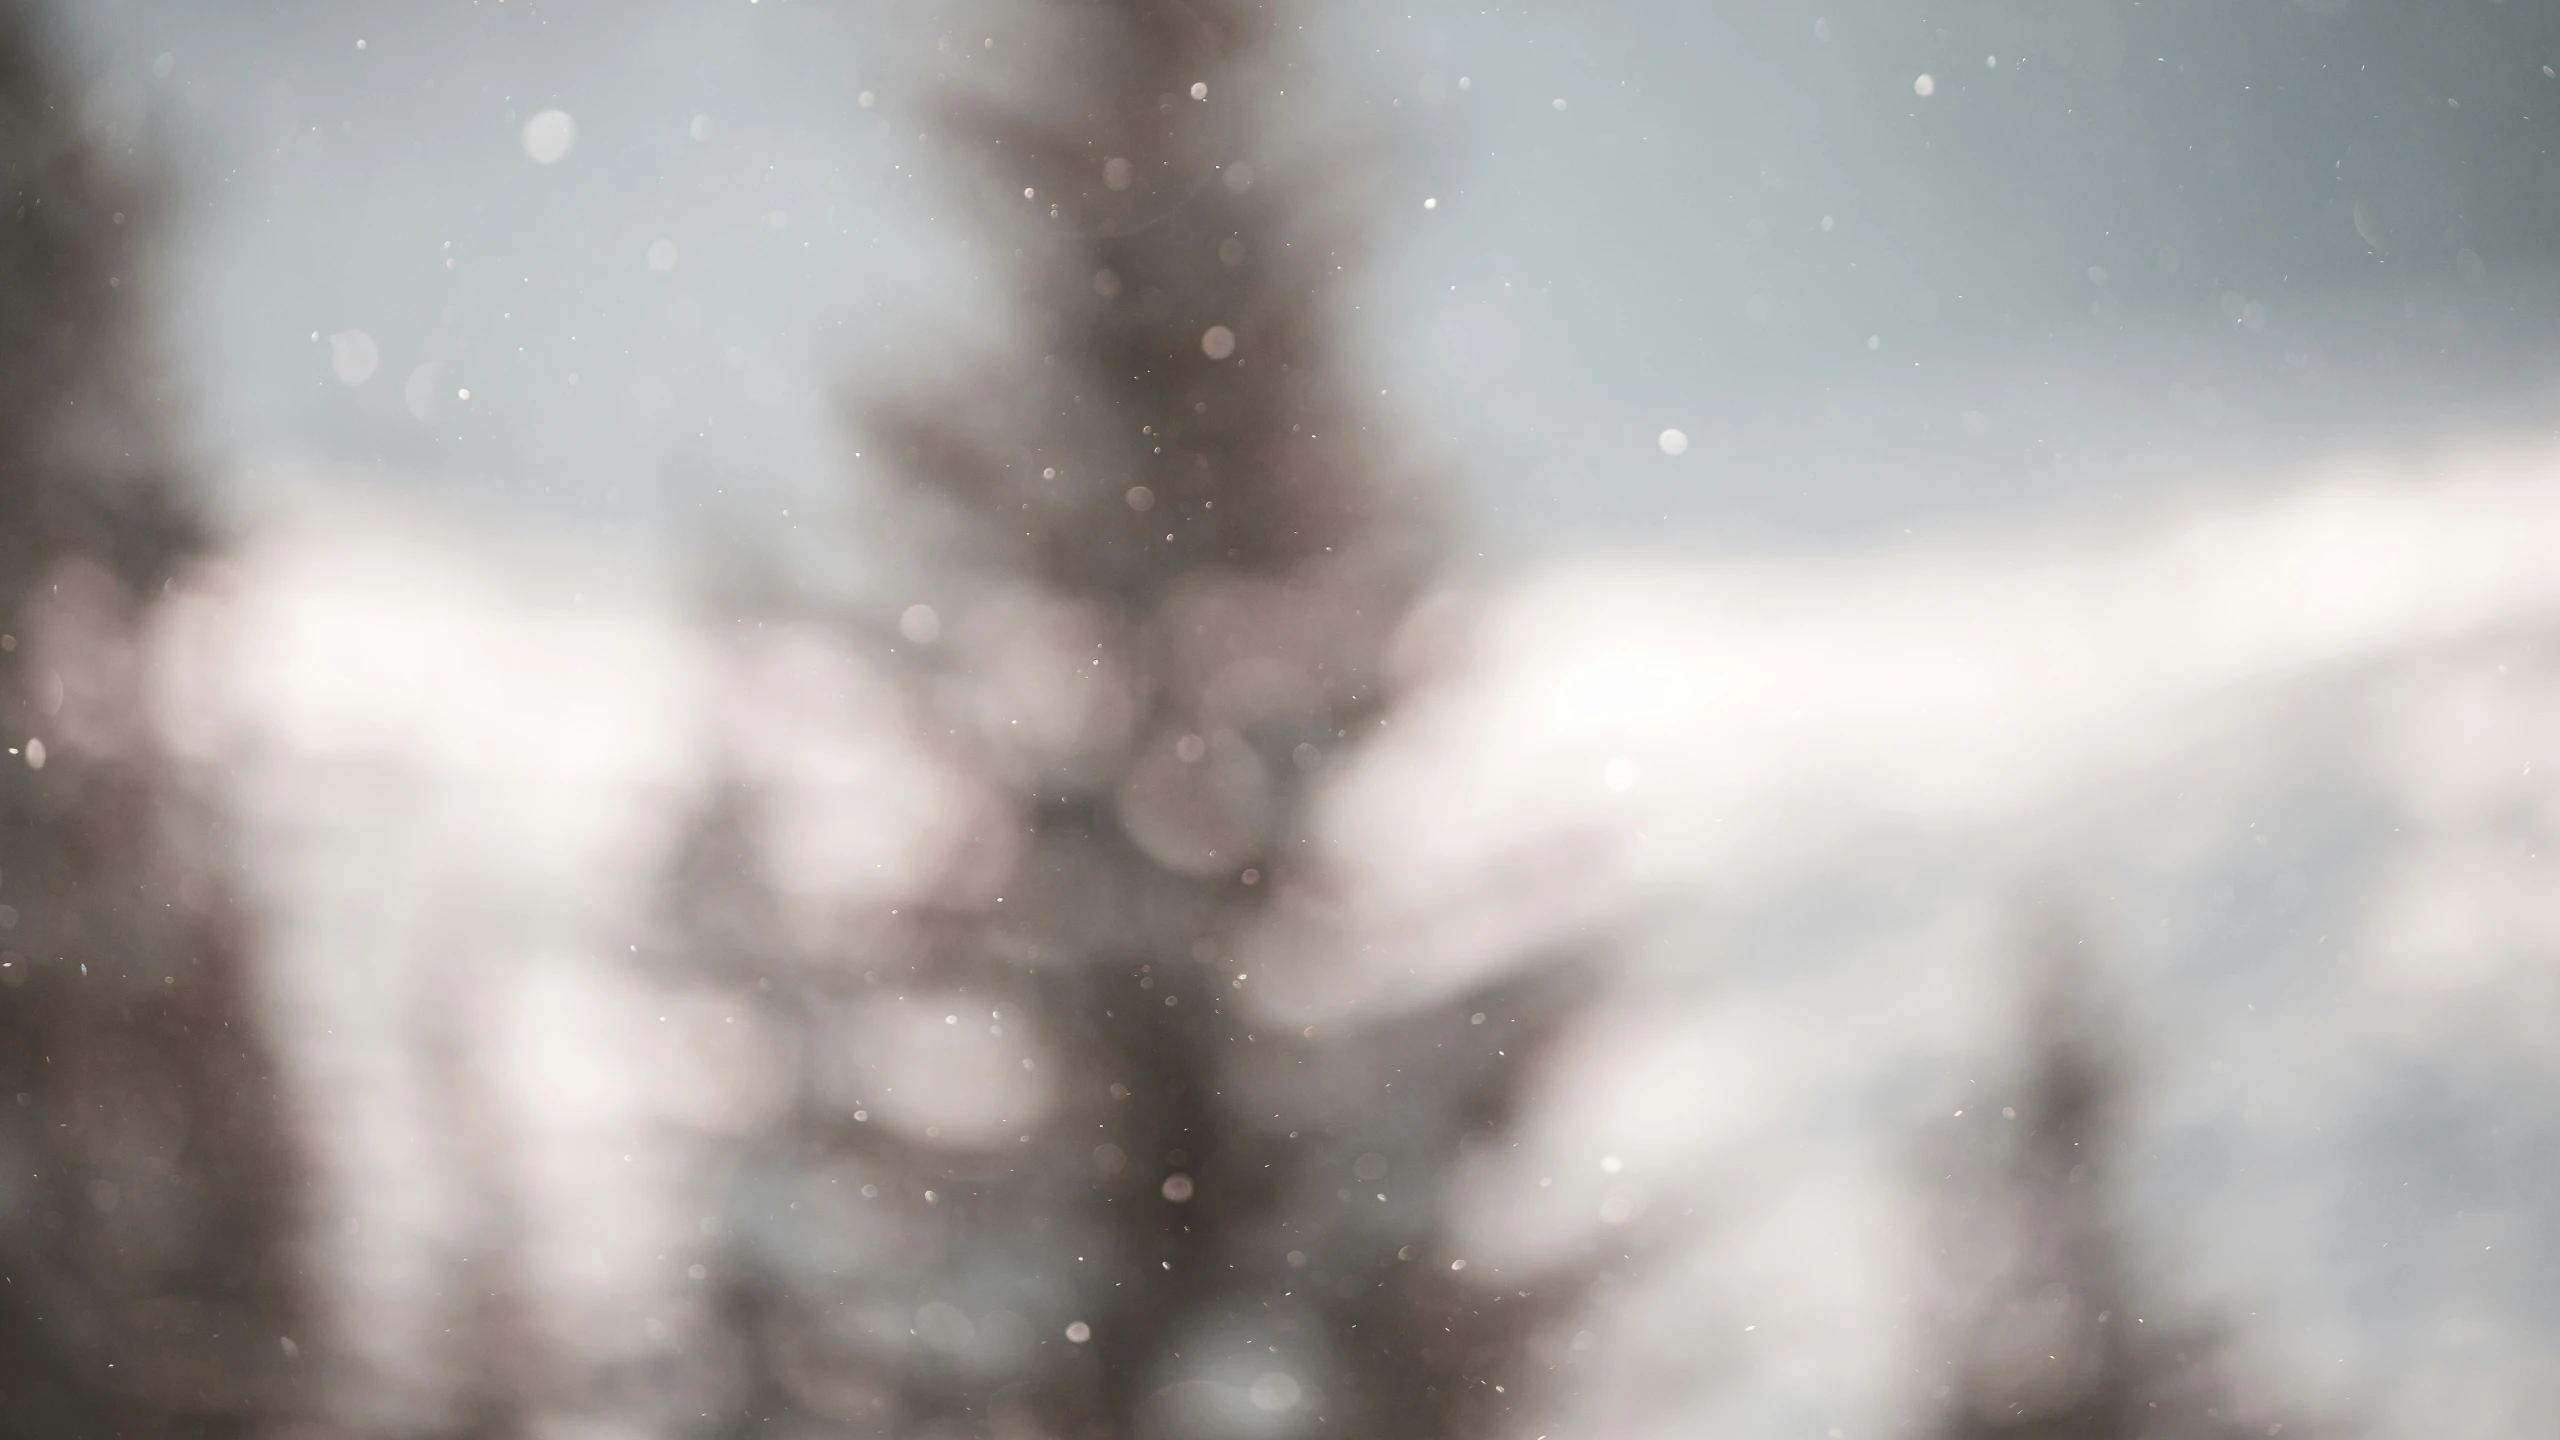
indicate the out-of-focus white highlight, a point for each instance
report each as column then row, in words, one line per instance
column 424, row 392
column 353, row 357
column 549, row 137
column 1274, row 1390
column 1951, row 687
column 918, row 1068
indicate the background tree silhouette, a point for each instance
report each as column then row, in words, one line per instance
column 2063, row 1340
column 145, row 1213
column 1166, row 550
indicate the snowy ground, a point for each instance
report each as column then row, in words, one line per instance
column 2276, row 765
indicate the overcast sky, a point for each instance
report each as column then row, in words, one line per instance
column 2117, row 249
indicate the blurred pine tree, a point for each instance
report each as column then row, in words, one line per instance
column 2065, row 1340
column 146, row 1178
column 1168, row 550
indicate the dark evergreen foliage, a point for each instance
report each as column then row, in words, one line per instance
column 146, row 1287
column 1167, row 466
column 2068, row 1341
